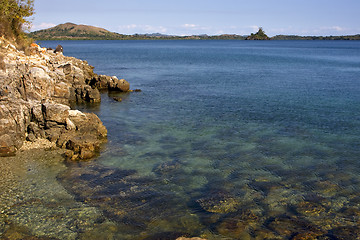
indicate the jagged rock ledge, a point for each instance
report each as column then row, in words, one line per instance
column 36, row 91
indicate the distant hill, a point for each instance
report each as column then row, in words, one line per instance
column 73, row 31
column 295, row 37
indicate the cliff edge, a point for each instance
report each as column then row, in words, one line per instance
column 36, row 91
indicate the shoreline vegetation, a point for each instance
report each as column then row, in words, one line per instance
column 71, row 31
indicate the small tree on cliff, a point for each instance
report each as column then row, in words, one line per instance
column 13, row 18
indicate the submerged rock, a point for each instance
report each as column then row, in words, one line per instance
column 166, row 236
column 238, row 225
column 125, row 197
column 167, row 167
column 118, row 99
column 343, row 233
column 307, row 208
column 287, row 226
column 219, row 201
column 193, row 238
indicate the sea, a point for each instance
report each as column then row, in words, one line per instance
column 226, row 140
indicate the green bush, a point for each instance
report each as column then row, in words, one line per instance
column 13, row 19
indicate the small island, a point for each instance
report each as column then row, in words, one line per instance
column 260, row 35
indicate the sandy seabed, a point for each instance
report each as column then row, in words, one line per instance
column 32, row 202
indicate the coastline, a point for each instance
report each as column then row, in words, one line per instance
column 37, row 89
column 44, row 130
column 39, row 131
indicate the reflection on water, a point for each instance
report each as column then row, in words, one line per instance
column 249, row 181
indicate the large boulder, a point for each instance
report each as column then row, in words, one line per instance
column 110, row 83
column 54, row 112
column 80, row 133
column 14, row 118
column 82, row 147
column 88, row 123
column 85, row 133
column 37, row 84
column 119, row 85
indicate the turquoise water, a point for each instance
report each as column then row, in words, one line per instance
column 227, row 140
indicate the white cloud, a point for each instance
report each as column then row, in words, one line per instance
column 194, row 29
column 190, row 28
column 337, row 28
column 219, row 32
column 329, row 30
column 187, row 25
column 41, row 26
column 134, row 28
column 130, row 26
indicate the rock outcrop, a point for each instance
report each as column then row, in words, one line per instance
column 36, row 91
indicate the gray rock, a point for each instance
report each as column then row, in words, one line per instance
column 119, row 85
column 14, row 118
column 2, row 63
column 55, row 112
column 38, row 73
column 123, row 85
column 35, row 130
column 31, row 137
column 7, row 146
column 85, row 93
column 102, row 82
column 70, row 125
column 59, row 49
column 37, row 114
column 66, row 68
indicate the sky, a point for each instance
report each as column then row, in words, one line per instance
column 212, row 17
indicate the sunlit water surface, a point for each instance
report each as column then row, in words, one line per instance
column 227, row 140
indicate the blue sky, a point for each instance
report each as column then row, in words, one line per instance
column 187, row 17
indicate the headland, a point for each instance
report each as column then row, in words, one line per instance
column 37, row 88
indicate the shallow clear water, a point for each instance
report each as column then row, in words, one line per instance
column 227, row 140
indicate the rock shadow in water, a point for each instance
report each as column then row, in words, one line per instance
column 126, row 198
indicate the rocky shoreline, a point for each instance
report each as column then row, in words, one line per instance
column 37, row 88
